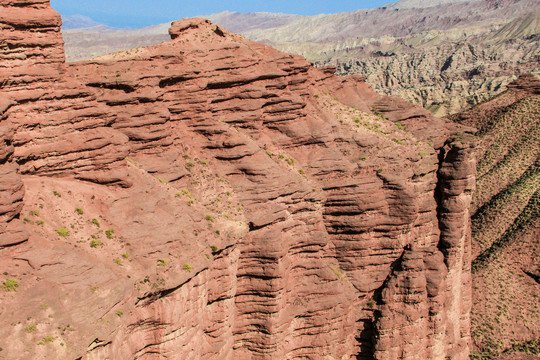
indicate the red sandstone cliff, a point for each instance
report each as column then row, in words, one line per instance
column 213, row 198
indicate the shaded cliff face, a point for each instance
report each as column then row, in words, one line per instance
column 214, row 198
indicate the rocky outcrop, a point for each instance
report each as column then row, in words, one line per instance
column 12, row 231
column 214, row 198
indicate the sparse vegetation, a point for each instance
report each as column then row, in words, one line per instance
column 95, row 243
column 79, row 211
column 95, row 222
column 109, row 233
column 214, row 249
column 337, row 272
column 10, row 285
column 63, row 231
column 56, row 193
column 209, row 218
column 187, row 267
column 30, row 328
column 45, row 340
column 162, row 262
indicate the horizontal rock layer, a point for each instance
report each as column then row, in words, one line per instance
column 256, row 207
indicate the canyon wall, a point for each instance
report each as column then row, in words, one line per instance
column 214, row 198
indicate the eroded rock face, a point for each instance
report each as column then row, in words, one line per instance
column 254, row 207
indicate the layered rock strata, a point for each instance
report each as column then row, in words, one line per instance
column 213, row 198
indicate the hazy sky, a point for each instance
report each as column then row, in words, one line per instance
column 138, row 13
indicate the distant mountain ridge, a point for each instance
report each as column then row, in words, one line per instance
column 444, row 55
column 408, row 4
column 77, row 22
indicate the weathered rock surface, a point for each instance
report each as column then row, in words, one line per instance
column 446, row 56
column 214, row 198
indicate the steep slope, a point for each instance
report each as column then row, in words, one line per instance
column 213, row 198
column 505, row 219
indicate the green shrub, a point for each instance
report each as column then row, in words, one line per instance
column 125, row 255
column 187, row 267
column 399, row 126
column 79, row 211
column 95, row 222
column 301, row 171
column 214, row 248
column 397, row 141
column 209, row 218
column 34, row 213
column 162, row 262
column 30, row 328
column 45, row 340
column 371, row 304
column 10, row 285
column 119, row 313
column 118, row 261
column 56, row 193
column 95, row 243
column 62, row 231
column 109, row 233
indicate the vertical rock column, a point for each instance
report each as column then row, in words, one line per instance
column 424, row 306
column 12, row 230
column 456, row 184
column 31, row 47
column 31, row 53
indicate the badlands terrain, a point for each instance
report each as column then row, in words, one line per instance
column 211, row 197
